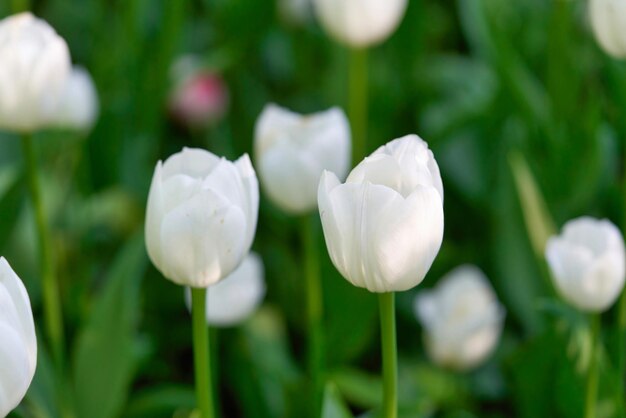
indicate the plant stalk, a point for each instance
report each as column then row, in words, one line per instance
column 201, row 353
column 390, row 355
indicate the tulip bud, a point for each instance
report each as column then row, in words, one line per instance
column 292, row 151
column 384, row 226
column 200, row 96
column 234, row 299
column 608, row 21
column 360, row 23
column 35, row 64
column 79, row 107
column 462, row 318
column 201, row 216
column 587, row 263
column 18, row 343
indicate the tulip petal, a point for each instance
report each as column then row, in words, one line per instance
column 194, row 162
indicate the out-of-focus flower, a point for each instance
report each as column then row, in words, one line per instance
column 18, row 343
column 608, row 20
column 200, row 96
column 588, row 263
column 292, row 151
column 79, row 106
column 234, row 299
column 384, row 226
column 360, row 23
column 295, row 12
column 34, row 67
column 462, row 318
column 201, row 216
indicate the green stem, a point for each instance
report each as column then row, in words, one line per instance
column 621, row 335
column 390, row 355
column 314, row 311
column 592, row 377
column 358, row 85
column 50, row 287
column 20, row 6
column 204, row 390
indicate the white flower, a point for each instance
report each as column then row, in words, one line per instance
column 232, row 300
column 360, row 23
column 384, row 226
column 34, row 66
column 79, row 106
column 292, row 151
column 201, row 217
column 587, row 263
column 462, row 318
column 18, row 343
column 608, row 21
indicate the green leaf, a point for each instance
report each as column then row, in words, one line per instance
column 334, row 406
column 161, row 401
column 106, row 356
column 358, row 387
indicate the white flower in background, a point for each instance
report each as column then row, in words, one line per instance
column 384, row 226
column 34, row 67
column 360, row 23
column 587, row 263
column 292, row 151
column 18, row 343
column 295, row 12
column 232, row 300
column 201, row 216
column 462, row 318
column 79, row 106
column 608, row 21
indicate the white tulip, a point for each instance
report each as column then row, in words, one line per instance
column 292, row 151
column 18, row 343
column 462, row 318
column 34, row 66
column 232, row 300
column 608, row 21
column 587, row 263
column 201, row 216
column 79, row 106
column 384, row 226
column 360, row 23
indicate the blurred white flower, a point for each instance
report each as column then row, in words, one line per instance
column 608, row 21
column 384, row 226
column 232, row 300
column 34, row 67
column 18, row 347
column 587, row 263
column 292, row 151
column 200, row 96
column 79, row 106
column 201, row 216
column 360, row 23
column 462, row 318
column 295, row 12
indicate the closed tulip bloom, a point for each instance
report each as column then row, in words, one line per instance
column 292, row 151
column 18, row 343
column 608, row 21
column 79, row 106
column 587, row 263
column 234, row 299
column 360, row 23
column 35, row 64
column 201, row 216
column 384, row 226
column 462, row 318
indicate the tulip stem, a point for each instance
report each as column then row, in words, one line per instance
column 592, row 376
column 314, row 310
column 201, row 353
column 50, row 286
column 20, row 6
column 358, row 85
column 390, row 355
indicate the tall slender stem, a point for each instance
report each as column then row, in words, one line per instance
column 358, row 85
column 202, row 363
column 50, row 287
column 390, row 355
column 20, row 6
column 621, row 346
column 314, row 310
column 592, row 376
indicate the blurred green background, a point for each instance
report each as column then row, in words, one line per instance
column 496, row 87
